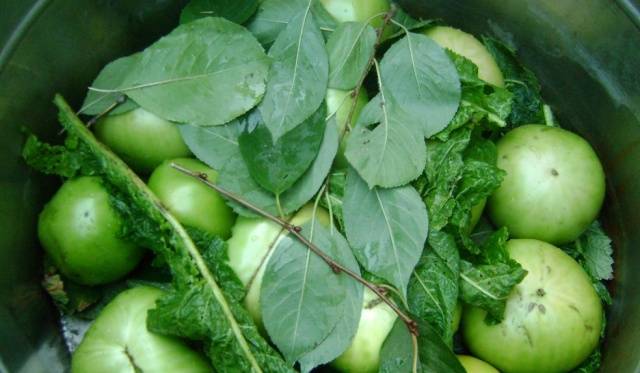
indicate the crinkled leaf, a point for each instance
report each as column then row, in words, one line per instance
column 386, row 147
column 237, row 11
column 594, row 252
column 520, row 81
column 276, row 166
column 419, row 75
column 488, row 285
column 433, row 288
column 350, row 47
column 387, row 229
column 298, row 78
column 308, row 298
column 212, row 87
column 434, row 355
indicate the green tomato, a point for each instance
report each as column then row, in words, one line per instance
column 554, row 186
column 189, row 200
column 357, row 10
column 142, row 139
column 552, row 320
column 474, row 365
column 340, row 103
column 250, row 247
column 376, row 321
column 80, row 231
column 118, row 341
column 470, row 48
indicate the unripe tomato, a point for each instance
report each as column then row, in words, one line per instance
column 474, row 365
column 356, row 10
column 552, row 320
column 80, row 231
column 192, row 202
column 554, row 186
column 142, row 139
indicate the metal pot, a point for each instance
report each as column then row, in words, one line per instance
column 586, row 54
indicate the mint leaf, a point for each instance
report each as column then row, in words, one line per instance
column 593, row 250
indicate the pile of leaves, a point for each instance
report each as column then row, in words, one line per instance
column 246, row 81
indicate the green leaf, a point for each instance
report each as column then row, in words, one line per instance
column 235, row 177
column 520, row 81
column 434, row 356
column 214, row 86
column 488, row 285
column 595, row 252
column 387, row 229
column 272, row 17
column 350, row 48
column 309, row 298
column 419, row 75
column 386, row 147
column 215, row 146
column 403, row 18
column 433, row 288
column 298, row 78
column 235, row 339
column 276, row 166
column 238, row 11
column 112, row 76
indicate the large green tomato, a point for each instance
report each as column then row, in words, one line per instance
column 376, row 321
column 471, row 48
column 142, row 139
column 474, row 365
column 552, row 320
column 357, row 10
column 80, row 231
column 340, row 103
column 192, row 202
column 118, row 341
column 250, row 247
column 554, row 186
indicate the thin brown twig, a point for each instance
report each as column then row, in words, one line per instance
column 356, row 91
column 296, row 231
column 120, row 100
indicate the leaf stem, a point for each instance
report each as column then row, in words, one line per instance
column 414, row 342
column 296, row 232
column 356, row 91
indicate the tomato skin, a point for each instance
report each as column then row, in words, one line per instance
column 250, row 247
column 356, row 10
column 191, row 201
column 553, row 318
column 474, row 365
column 376, row 322
column 340, row 103
column 119, row 336
column 554, row 186
column 80, row 231
column 142, row 139
column 469, row 47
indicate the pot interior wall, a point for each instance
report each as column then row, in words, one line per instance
column 586, row 56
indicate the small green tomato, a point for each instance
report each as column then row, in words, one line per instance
column 250, row 247
column 471, row 48
column 118, row 341
column 552, row 320
column 80, row 231
column 376, row 322
column 142, row 139
column 474, row 365
column 554, row 186
column 192, row 202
